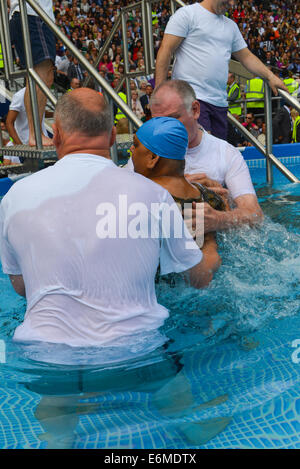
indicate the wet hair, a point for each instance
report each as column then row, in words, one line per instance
column 181, row 87
column 90, row 115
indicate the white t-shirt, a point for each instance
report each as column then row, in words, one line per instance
column 203, row 56
column 220, row 161
column 84, row 289
column 21, row 122
column 46, row 5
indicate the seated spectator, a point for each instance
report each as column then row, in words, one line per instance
column 142, row 88
column 145, row 99
column 75, row 83
column 136, row 105
column 75, row 70
column 262, row 136
column 250, row 125
column 62, row 63
column 107, row 63
column 116, row 62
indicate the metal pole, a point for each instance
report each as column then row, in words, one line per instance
column 86, row 64
column 126, row 62
column 128, row 93
column 42, row 85
column 150, row 44
column 6, row 31
column 125, row 42
column 269, row 132
column 29, row 65
column 113, row 148
column 172, row 7
column 145, row 20
column 4, row 45
column 290, row 99
column 131, row 7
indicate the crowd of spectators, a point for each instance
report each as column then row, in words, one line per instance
column 270, row 28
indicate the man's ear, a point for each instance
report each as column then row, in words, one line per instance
column 56, row 134
column 113, row 136
column 57, row 137
column 196, row 109
column 152, row 161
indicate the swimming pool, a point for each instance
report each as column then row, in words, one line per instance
column 228, row 378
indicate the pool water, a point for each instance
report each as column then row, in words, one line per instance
column 227, row 376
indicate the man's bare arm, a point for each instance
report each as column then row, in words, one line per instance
column 202, row 274
column 10, row 121
column 254, row 65
column 247, row 211
column 168, row 46
column 18, row 284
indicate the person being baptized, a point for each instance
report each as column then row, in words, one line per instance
column 158, row 153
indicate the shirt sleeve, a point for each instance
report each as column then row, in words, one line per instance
column 179, row 23
column 178, row 251
column 7, row 255
column 237, row 179
column 17, row 103
column 238, row 42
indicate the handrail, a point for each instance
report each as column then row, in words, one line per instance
column 262, row 149
column 290, row 99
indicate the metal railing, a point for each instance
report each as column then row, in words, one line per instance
column 113, row 97
column 267, row 150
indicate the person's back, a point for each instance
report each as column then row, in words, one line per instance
column 86, row 239
column 82, row 289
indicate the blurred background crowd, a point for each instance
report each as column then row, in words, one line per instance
column 270, row 28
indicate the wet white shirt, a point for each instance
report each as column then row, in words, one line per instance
column 21, row 122
column 222, row 162
column 203, row 56
column 82, row 288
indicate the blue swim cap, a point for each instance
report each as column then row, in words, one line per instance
column 165, row 137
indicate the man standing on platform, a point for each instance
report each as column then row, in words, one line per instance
column 43, row 50
column 203, row 40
